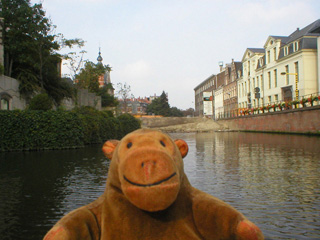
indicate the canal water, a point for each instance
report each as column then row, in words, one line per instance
column 273, row 179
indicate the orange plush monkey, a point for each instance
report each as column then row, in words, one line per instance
column 148, row 196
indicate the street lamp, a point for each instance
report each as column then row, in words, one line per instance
column 296, row 78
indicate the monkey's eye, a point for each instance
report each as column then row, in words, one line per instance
column 129, row 145
column 162, row 143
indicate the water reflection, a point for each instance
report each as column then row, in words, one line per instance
column 38, row 188
column 272, row 179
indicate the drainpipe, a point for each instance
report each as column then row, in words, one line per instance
column 1, row 43
column 318, row 61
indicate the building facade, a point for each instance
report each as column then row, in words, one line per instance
column 285, row 69
column 247, row 84
column 207, row 86
column 230, row 92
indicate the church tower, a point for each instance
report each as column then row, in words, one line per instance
column 105, row 79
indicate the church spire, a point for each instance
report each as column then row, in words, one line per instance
column 99, row 59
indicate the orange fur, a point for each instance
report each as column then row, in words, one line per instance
column 148, row 196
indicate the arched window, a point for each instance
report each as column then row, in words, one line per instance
column 5, row 101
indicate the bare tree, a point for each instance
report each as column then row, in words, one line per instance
column 124, row 94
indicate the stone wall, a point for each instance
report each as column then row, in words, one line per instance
column 166, row 121
column 9, row 91
column 303, row 120
column 85, row 98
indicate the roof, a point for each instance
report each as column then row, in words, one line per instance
column 211, row 76
column 306, row 38
column 310, row 30
column 256, row 50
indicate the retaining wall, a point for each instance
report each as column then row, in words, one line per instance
column 166, row 121
column 303, row 120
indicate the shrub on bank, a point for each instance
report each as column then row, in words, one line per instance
column 128, row 123
column 34, row 130
column 41, row 102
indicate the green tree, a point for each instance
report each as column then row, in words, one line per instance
column 74, row 59
column 41, row 102
column 88, row 77
column 107, row 100
column 30, row 50
column 160, row 106
column 175, row 112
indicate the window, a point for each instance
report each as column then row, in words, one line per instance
column 286, row 51
column 275, row 54
column 261, row 62
column 287, row 76
column 242, row 90
column 275, row 78
column 257, row 81
column 269, row 80
column 245, row 88
column 276, row 98
column 269, row 99
column 295, row 46
column 254, row 83
column 248, row 68
column 261, row 81
column 268, row 59
column 4, row 104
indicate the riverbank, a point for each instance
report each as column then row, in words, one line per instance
column 293, row 121
column 198, row 125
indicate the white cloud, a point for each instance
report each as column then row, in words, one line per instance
column 137, row 70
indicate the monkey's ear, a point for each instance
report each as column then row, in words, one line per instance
column 182, row 146
column 109, row 147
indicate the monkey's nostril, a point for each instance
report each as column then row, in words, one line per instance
column 142, row 164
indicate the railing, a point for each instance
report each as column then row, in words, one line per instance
column 302, row 102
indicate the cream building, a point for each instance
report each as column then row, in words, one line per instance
column 285, row 69
column 218, row 103
column 295, row 56
column 249, row 80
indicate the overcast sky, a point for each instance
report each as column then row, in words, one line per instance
column 174, row 45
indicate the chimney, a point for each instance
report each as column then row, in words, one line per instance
column 221, row 65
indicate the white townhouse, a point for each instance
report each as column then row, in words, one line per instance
column 250, row 80
column 285, row 69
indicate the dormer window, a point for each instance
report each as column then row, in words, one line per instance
column 261, row 61
column 239, row 73
column 286, row 51
column 295, row 46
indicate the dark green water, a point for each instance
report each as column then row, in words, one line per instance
column 273, row 179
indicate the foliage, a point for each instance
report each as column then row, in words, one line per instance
column 175, row 112
column 34, row 130
column 128, row 123
column 188, row 112
column 160, row 106
column 88, row 78
column 74, row 59
column 41, row 102
column 107, row 100
column 30, row 49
